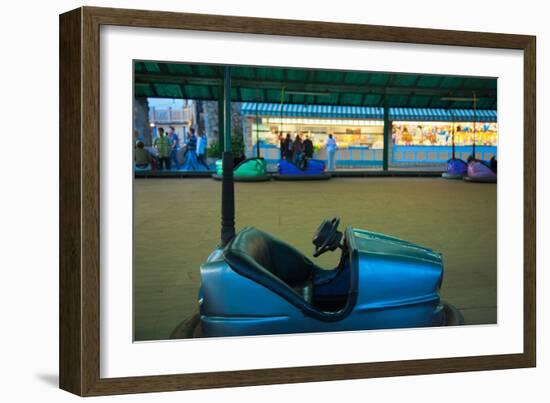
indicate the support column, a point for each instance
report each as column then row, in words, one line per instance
column 221, row 123
column 142, row 128
column 257, row 120
column 387, row 136
column 474, row 139
column 228, row 191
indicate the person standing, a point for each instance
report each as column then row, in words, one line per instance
column 163, row 147
column 201, row 151
column 281, row 146
column 175, row 143
column 297, row 149
column 190, row 155
column 192, row 141
column 331, row 153
column 288, row 148
column 308, row 147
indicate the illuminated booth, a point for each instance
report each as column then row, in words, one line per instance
column 424, row 136
column 358, row 131
column 419, row 136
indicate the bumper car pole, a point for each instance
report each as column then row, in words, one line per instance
column 474, row 140
column 228, row 188
column 453, row 135
column 257, row 120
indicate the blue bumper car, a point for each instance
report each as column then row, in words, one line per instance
column 456, row 169
column 259, row 285
column 306, row 169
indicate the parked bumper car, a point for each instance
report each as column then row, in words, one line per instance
column 142, row 168
column 481, row 171
column 249, row 170
column 307, row 169
column 456, row 169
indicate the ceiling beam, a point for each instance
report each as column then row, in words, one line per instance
column 379, row 103
column 312, row 87
column 154, row 90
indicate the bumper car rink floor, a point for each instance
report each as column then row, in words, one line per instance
column 177, row 225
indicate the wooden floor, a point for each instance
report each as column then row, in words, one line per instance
column 177, row 224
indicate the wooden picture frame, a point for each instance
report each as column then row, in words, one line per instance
column 80, row 199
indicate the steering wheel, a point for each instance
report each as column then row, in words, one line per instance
column 327, row 237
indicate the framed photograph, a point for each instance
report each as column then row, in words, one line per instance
column 201, row 154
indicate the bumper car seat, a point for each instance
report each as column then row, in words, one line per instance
column 274, row 264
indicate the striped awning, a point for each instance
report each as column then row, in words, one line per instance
column 447, row 115
column 364, row 112
column 313, row 111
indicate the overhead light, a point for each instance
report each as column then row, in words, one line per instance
column 458, row 99
column 307, row 93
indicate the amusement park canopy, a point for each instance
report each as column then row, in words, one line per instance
column 365, row 112
column 305, row 87
column 274, row 85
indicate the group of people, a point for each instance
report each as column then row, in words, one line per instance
column 166, row 146
column 194, row 157
column 297, row 151
column 163, row 155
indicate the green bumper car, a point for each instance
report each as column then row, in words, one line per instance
column 249, row 170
